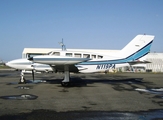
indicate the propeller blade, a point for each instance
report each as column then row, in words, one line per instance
column 33, row 75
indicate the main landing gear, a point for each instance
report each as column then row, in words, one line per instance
column 66, row 81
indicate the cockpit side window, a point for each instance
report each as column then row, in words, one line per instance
column 56, row 53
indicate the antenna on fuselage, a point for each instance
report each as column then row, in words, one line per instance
column 63, row 46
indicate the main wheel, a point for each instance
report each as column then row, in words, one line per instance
column 65, row 84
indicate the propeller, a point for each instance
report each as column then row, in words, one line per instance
column 33, row 75
column 32, row 65
column 33, row 70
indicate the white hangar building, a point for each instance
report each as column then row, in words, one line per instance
column 156, row 59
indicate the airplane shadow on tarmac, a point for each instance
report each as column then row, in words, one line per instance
column 82, row 82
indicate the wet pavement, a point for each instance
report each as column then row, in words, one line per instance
column 19, row 97
column 129, row 96
column 84, row 115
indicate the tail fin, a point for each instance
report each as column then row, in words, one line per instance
column 137, row 48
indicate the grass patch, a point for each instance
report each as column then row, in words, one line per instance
column 4, row 67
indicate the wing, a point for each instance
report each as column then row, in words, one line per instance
column 57, row 60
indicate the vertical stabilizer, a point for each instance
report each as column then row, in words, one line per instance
column 138, row 47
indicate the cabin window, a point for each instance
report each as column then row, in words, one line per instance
column 86, row 55
column 100, row 57
column 56, row 53
column 77, row 55
column 69, row 54
column 93, row 57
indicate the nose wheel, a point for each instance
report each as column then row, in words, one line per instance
column 22, row 79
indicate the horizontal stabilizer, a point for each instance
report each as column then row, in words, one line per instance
column 138, row 62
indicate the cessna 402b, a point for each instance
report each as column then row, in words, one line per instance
column 68, row 61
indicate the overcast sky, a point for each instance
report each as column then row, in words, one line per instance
column 94, row 24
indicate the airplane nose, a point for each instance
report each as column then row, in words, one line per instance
column 31, row 58
column 8, row 64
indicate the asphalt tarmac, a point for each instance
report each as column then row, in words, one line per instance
column 89, row 96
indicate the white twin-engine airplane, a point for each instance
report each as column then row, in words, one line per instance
column 68, row 61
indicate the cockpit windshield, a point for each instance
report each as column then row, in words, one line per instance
column 49, row 53
column 53, row 53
